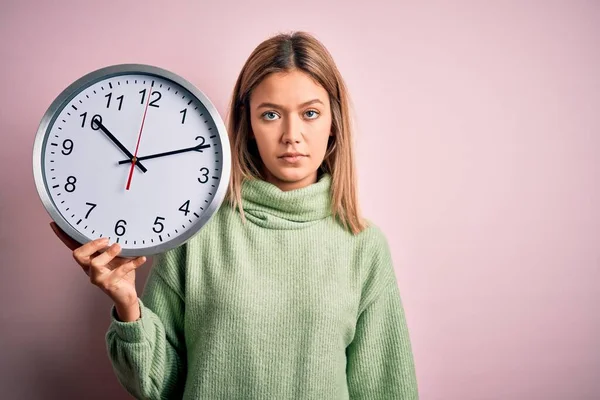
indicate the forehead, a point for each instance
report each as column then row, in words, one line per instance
column 294, row 87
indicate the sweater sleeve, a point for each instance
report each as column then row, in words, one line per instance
column 148, row 355
column 380, row 362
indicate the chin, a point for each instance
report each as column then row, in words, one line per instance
column 291, row 175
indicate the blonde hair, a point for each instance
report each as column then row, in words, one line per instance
column 283, row 53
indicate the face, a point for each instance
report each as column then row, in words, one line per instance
column 291, row 123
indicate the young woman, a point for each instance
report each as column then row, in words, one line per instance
column 287, row 292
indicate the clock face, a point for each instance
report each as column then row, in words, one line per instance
column 133, row 153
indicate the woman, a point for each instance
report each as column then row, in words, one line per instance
column 287, row 292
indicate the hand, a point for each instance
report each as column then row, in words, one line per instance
column 114, row 275
column 116, row 141
column 199, row 148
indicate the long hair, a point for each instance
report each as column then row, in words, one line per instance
column 282, row 53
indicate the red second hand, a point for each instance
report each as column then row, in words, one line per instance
column 138, row 141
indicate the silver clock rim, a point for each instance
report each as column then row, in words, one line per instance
column 110, row 71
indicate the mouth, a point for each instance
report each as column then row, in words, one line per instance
column 292, row 157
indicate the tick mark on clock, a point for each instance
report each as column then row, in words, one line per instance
column 197, row 216
column 59, row 194
column 160, row 237
column 134, row 242
column 52, row 152
column 183, row 226
column 100, row 234
column 160, row 85
column 55, row 186
column 85, row 227
column 152, row 85
column 102, row 87
column 64, row 121
column 177, row 91
column 119, row 83
column 117, row 239
column 60, row 129
column 152, row 240
column 168, row 234
column 87, row 96
column 94, row 92
column 81, row 102
column 136, row 81
column 202, row 208
column 110, row 85
column 213, row 136
column 72, row 215
column 74, row 107
column 190, row 220
column 127, row 81
column 169, row 88
column 93, row 231
column 78, row 222
column 68, row 209
column 53, row 177
column 176, row 231
column 52, row 169
column 126, row 242
column 195, row 108
column 209, row 129
column 68, row 113
column 54, row 144
column 190, row 102
column 62, row 202
column 143, row 242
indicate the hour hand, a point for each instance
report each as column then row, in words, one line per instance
column 112, row 137
column 199, row 148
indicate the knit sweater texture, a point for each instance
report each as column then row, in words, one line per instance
column 289, row 305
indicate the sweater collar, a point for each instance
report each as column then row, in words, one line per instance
column 268, row 206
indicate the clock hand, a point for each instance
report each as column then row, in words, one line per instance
column 116, row 141
column 199, row 148
column 137, row 146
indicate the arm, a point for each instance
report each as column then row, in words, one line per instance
column 148, row 354
column 380, row 362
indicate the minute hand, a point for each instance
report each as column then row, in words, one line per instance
column 199, row 147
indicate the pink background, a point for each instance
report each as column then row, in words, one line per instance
column 478, row 153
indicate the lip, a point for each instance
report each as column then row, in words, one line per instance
column 292, row 157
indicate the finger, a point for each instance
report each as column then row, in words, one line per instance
column 66, row 239
column 119, row 273
column 101, row 261
column 82, row 254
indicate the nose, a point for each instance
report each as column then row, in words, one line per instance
column 292, row 130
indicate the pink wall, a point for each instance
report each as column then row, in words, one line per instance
column 479, row 155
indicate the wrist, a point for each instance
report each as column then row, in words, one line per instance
column 128, row 313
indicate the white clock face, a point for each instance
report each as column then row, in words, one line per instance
column 177, row 181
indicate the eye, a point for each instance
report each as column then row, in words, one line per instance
column 314, row 114
column 270, row 115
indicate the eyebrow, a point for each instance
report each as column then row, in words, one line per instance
column 273, row 105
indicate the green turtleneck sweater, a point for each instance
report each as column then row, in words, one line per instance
column 289, row 305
